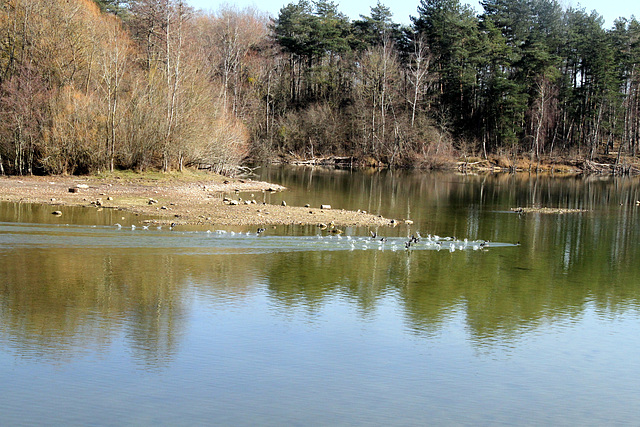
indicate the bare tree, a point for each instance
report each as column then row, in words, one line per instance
column 419, row 64
column 114, row 63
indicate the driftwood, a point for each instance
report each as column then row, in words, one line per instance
column 541, row 210
column 589, row 166
column 326, row 161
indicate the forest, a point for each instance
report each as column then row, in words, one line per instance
column 98, row 85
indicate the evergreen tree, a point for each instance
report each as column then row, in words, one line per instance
column 117, row 7
column 452, row 33
column 377, row 28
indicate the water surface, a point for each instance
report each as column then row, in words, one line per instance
column 104, row 325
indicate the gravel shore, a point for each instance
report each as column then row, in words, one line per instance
column 182, row 201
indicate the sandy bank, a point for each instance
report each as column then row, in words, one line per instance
column 192, row 200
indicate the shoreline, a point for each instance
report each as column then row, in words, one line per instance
column 183, row 200
column 605, row 165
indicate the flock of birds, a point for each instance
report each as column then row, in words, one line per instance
column 338, row 241
column 435, row 242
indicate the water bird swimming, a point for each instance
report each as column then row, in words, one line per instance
column 260, row 231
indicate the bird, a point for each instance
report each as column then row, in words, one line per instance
column 373, row 234
column 260, row 231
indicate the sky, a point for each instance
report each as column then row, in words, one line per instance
column 402, row 9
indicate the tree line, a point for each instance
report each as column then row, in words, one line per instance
column 90, row 85
column 524, row 77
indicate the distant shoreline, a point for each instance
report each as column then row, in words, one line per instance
column 602, row 165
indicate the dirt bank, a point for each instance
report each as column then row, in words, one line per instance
column 196, row 199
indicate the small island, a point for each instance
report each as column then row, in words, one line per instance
column 185, row 198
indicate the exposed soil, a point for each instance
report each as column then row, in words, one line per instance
column 201, row 199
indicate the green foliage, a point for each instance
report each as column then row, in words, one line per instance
column 525, row 75
column 312, row 31
column 117, row 7
column 377, row 28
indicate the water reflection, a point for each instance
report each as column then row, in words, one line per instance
column 59, row 300
column 84, row 299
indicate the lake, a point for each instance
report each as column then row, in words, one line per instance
column 107, row 325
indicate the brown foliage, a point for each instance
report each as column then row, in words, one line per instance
column 76, row 97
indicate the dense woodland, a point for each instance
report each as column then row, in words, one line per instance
column 95, row 85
